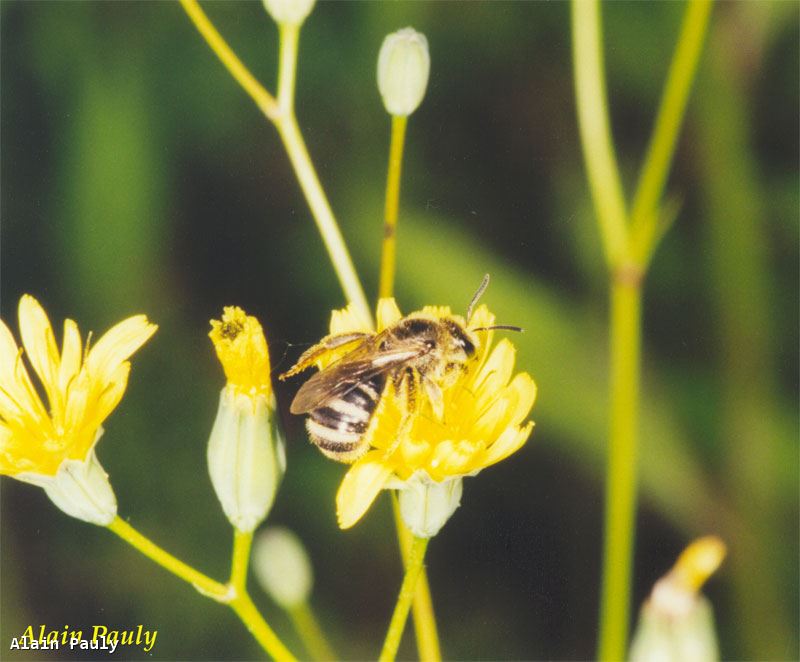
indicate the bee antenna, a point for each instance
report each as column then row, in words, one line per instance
column 484, row 284
column 507, row 327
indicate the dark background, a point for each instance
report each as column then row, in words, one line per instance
column 137, row 177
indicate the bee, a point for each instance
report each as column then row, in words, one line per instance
column 419, row 354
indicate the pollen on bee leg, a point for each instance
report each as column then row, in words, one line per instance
column 436, row 399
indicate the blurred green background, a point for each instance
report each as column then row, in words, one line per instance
column 137, row 177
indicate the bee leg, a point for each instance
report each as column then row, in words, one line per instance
column 434, row 393
column 406, row 385
column 318, row 351
column 412, row 380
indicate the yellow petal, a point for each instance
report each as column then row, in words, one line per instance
column 437, row 312
column 17, row 394
column 40, row 344
column 495, row 373
column 462, row 458
column 70, row 355
column 509, row 442
column 77, row 401
column 414, row 451
column 87, row 407
column 388, row 313
column 481, row 317
column 437, row 464
column 10, row 390
column 494, row 417
column 117, row 344
column 348, row 320
column 241, row 348
column 7, row 464
column 362, row 483
column 525, row 388
column 698, row 562
column 8, row 352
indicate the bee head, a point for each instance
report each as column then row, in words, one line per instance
column 460, row 338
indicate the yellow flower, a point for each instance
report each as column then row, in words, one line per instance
column 242, row 349
column 482, row 423
column 40, row 444
column 246, row 458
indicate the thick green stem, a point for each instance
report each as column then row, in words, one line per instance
column 287, row 67
column 629, row 243
column 240, row 559
column 620, row 510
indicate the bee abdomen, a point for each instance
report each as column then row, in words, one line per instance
column 338, row 427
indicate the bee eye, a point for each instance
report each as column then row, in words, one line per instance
column 430, row 344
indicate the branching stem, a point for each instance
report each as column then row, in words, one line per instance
column 629, row 243
column 233, row 594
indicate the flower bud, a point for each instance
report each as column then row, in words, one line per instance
column 691, row 638
column 282, row 567
column 403, row 67
column 80, row 488
column 676, row 623
column 289, row 12
column 426, row 505
column 246, row 456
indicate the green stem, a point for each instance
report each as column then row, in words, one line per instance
column 240, row 559
column 621, row 469
column 323, row 215
column 201, row 582
column 241, row 74
column 247, row 612
column 422, row 612
column 287, row 67
column 389, row 250
column 628, row 244
column 407, row 590
column 233, row 594
column 292, row 138
column 595, row 129
column 660, row 151
column 281, row 114
column 311, row 633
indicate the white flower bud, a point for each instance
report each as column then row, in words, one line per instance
column 282, row 567
column 80, row 488
column 662, row 637
column 426, row 505
column 676, row 624
column 289, row 12
column 246, row 456
column 403, row 67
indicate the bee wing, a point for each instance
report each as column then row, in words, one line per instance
column 337, row 380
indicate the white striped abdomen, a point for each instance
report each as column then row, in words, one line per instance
column 339, row 426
